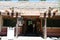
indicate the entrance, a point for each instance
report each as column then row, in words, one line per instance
column 31, row 28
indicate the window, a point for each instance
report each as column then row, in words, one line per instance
column 8, row 22
column 53, row 22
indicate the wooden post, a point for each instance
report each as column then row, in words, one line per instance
column 41, row 26
column 17, row 28
column 17, row 25
column 1, row 22
column 45, row 29
column 16, row 14
column 45, row 26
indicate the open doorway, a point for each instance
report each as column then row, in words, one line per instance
column 32, row 27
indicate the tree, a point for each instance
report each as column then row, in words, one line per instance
column 22, row 0
column 7, row 0
column 43, row 0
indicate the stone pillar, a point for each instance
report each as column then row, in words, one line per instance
column 1, row 22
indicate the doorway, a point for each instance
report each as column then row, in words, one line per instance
column 31, row 28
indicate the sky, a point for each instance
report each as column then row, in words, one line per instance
column 46, row 0
column 37, row 0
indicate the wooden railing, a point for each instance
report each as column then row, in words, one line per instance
column 53, row 31
column 19, row 31
column 3, row 31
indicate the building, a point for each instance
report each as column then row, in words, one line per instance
column 30, row 18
